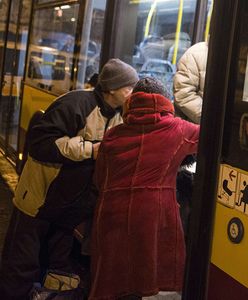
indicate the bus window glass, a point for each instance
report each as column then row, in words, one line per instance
column 51, row 48
column 243, row 132
column 49, row 66
column 3, row 18
column 13, row 68
column 163, row 33
column 236, row 129
column 245, row 93
column 243, row 126
column 91, row 45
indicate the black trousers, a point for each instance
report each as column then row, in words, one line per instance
column 31, row 244
column 185, row 180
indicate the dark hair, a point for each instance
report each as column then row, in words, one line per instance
column 93, row 80
column 151, row 85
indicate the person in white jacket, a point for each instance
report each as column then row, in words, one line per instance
column 189, row 82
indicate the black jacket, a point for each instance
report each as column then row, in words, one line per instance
column 57, row 176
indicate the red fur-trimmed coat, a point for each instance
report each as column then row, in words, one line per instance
column 137, row 242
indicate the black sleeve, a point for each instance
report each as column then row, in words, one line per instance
column 64, row 118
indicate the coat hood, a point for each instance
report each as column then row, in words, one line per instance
column 145, row 108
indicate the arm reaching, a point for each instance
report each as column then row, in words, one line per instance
column 55, row 138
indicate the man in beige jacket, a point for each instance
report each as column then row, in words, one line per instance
column 189, row 82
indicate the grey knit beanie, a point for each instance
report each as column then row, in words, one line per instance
column 151, row 85
column 116, row 74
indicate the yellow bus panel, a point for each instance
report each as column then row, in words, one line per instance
column 230, row 239
column 33, row 100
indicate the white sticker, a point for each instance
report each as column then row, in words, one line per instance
column 227, row 186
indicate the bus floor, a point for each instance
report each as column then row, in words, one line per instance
column 8, row 180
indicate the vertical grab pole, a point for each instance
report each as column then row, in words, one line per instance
column 178, row 30
column 208, row 21
column 149, row 18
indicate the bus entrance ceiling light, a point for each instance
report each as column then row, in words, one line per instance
column 62, row 7
column 65, row 6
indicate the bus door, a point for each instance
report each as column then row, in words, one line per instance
column 4, row 14
column 229, row 260
column 13, row 71
column 217, row 264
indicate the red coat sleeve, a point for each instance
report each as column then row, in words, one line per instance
column 191, row 136
column 100, row 173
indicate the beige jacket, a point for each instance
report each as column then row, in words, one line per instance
column 189, row 81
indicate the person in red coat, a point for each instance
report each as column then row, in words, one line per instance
column 137, row 239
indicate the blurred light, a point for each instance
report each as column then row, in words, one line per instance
column 20, row 156
column 57, row 8
column 65, row 6
column 73, row 19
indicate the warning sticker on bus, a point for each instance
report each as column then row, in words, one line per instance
column 233, row 188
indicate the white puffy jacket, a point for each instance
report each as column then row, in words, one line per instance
column 189, row 81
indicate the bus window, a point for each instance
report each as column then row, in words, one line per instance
column 51, row 48
column 154, row 35
column 245, row 93
column 243, row 132
column 46, row 66
column 3, row 24
column 243, row 127
column 236, row 129
column 13, row 56
column 91, row 42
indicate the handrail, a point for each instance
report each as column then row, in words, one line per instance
column 178, row 30
column 149, row 18
column 208, row 21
